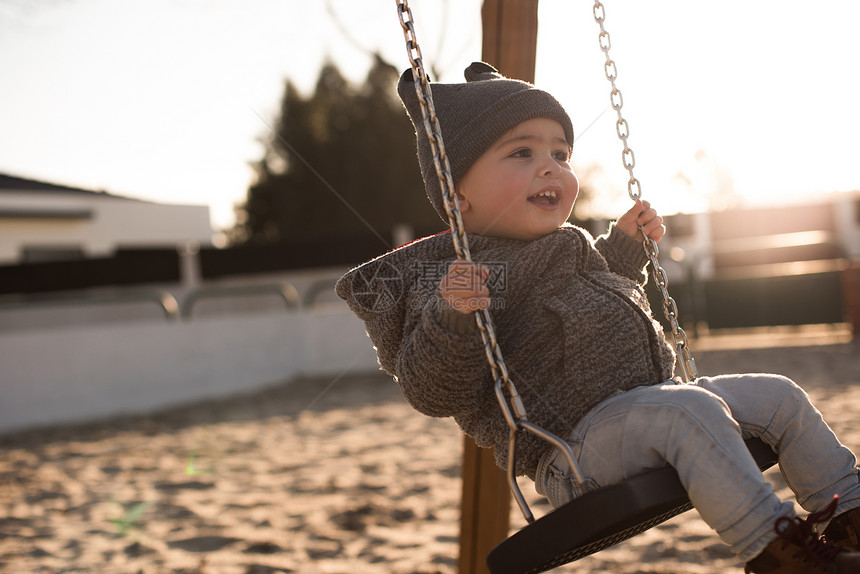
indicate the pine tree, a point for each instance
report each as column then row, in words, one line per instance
column 341, row 164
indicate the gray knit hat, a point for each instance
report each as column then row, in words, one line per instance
column 472, row 116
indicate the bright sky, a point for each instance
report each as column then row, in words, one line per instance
column 166, row 99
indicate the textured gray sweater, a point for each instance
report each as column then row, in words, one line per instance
column 571, row 318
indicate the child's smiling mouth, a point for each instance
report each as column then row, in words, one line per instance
column 546, row 199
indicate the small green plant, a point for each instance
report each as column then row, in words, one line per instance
column 131, row 517
column 192, row 470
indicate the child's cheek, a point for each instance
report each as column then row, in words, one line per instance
column 572, row 184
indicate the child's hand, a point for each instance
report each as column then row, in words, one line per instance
column 642, row 214
column 464, row 287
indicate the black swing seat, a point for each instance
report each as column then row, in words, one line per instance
column 599, row 519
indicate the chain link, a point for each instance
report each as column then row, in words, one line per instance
column 511, row 404
column 634, row 190
column 452, row 205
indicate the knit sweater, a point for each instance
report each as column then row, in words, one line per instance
column 570, row 315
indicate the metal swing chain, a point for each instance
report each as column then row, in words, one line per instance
column 513, row 411
column 452, row 206
column 670, row 309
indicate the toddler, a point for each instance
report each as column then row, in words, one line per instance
column 589, row 360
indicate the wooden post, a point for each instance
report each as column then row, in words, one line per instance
column 485, row 507
column 510, row 37
column 509, row 44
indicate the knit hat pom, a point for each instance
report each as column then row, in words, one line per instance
column 478, row 71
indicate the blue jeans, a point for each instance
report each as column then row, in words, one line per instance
column 699, row 428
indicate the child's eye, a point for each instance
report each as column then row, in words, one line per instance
column 561, row 156
column 522, row 152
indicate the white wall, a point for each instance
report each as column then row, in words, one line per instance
column 62, row 375
column 115, row 222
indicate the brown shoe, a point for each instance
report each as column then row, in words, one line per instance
column 797, row 550
column 844, row 530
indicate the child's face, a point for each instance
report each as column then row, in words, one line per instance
column 522, row 187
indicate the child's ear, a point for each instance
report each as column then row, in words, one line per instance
column 464, row 203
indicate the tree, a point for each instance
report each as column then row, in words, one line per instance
column 341, row 163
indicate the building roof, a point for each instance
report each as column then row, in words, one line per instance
column 10, row 183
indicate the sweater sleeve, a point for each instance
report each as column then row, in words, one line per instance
column 441, row 366
column 624, row 255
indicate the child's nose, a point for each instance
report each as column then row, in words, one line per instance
column 551, row 168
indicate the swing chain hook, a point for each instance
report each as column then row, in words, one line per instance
column 634, row 190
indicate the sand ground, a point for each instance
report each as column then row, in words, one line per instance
column 330, row 475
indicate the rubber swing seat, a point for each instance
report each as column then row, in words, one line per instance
column 601, row 518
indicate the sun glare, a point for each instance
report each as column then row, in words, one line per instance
column 714, row 121
column 765, row 100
